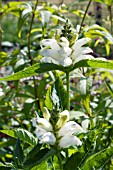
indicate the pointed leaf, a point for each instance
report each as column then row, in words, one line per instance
column 24, row 135
column 61, row 92
column 24, row 14
column 109, row 88
column 44, row 67
column 96, row 63
column 48, row 100
column 41, row 166
column 98, row 160
column 18, row 153
column 30, row 71
column 41, row 156
column 74, row 161
column 34, row 151
column 33, row 70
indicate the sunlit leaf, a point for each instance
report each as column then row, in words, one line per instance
column 48, row 100
column 22, row 134
column 61, row 92
column 96, row 63
column 98, row 159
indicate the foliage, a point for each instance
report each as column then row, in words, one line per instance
column 28, row 85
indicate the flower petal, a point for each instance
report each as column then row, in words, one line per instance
column 50, row 43
column 34, row 122
column 80, row 51
column 43, row 123
column 66, row 62
column 49, row 60
column 48, row 138
column 67, row 50
column 80, row 43
column 64, row 42
column 40, row 132
column 70, row 128
column 83, row 57
column 69, row 140
column 50, row 53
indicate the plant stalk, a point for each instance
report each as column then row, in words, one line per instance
column 0, row 26
column 29, row 51
column 84, row 15
column 110, row 14
column 68, row 89
column 60, row 161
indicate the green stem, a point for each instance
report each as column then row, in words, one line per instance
column 29, row 50
column 110, row 14
column 68, row 89
column 0, row 26
column 60, row 161
column 84, row 15
column 29, row 34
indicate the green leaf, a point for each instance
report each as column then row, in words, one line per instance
column 61, row 92
column 41, row 156
column 86, row 103
column 24, row 14
column 30, row 71
column 34, row 151
column 18, row 153
column 74, row 161
column 24, row 135
column 41, row 166
column 94, row 64
column 109, row 88
column 13, row 7
column 3, row 56
column 56, row 163
column 98, row 160
column 45, row 16
column 33, row 70
column 44, row 67
column 48, row 100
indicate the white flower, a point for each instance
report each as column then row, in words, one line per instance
column 69, row 140
column 63, row 132
column 61, row 54
column 48, row 138
column 70, row 128
column 57, row 53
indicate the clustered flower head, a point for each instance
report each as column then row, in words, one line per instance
column 62, row 133
column 60, row 51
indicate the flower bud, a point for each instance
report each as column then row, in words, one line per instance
column 63, row 118
column 46, row 113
